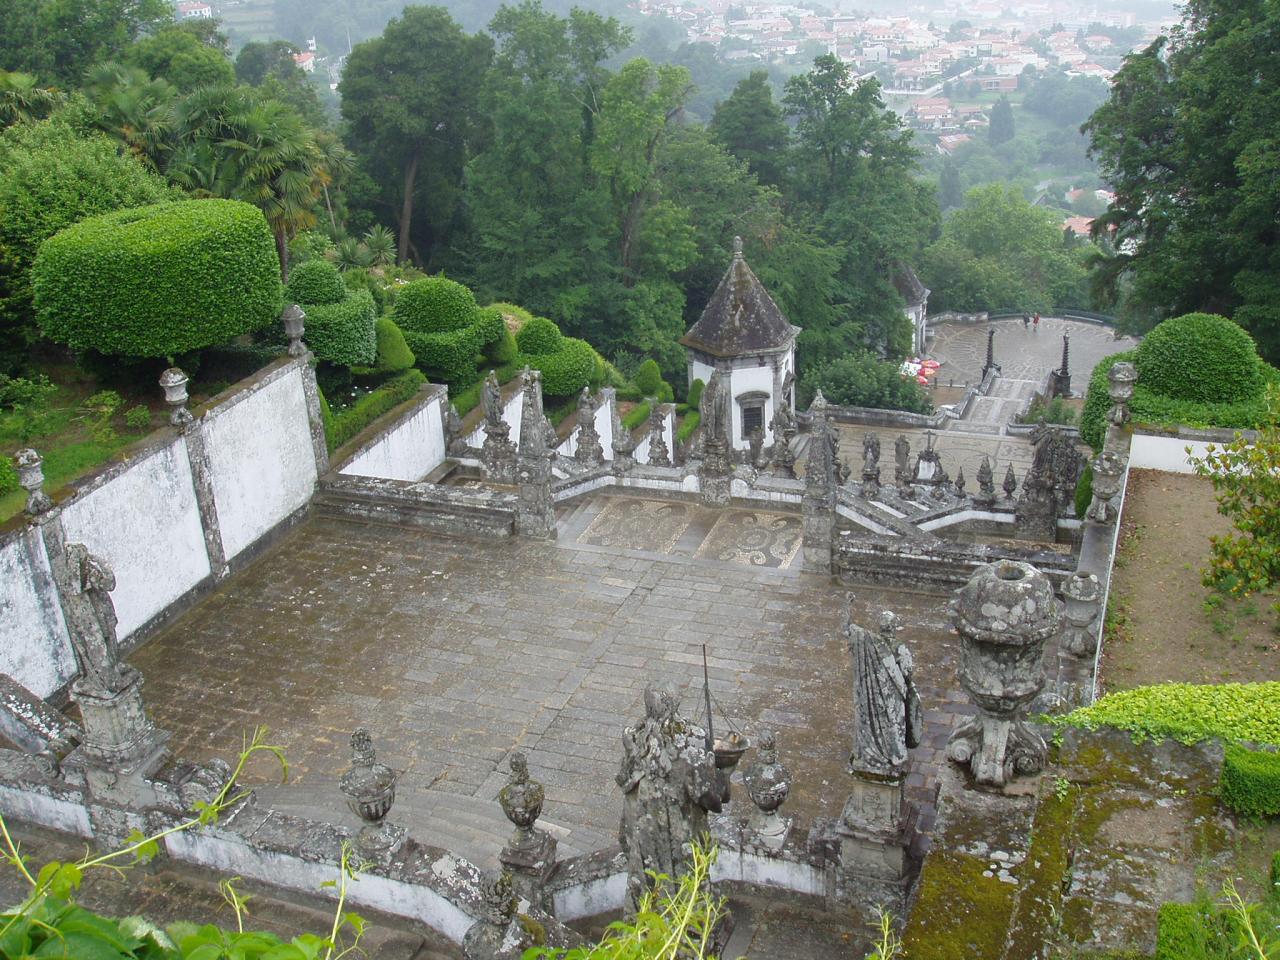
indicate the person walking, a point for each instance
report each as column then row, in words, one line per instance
column 1026, row 321
column 1036, row 323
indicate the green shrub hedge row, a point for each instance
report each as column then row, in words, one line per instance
column 394, row 354
column 1250, row 781
column 315, row 281
column 638, row 415
column 1150, row 407
column 1084, row 491
column 1188, row 712
column 159, row 280
column 695, row 393
column 344, row 333
column 341, row 427
column 688, row 425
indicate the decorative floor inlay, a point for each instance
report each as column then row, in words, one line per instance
column 758, row 539
column 627, row 524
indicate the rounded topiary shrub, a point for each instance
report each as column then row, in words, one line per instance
column 649, row 378
column 394, row 354
column 539, row 336
column 1201, row 357
column 434, row 305
column 159, row 280
column 315, row 281
column 567, row 370
column 343, row 333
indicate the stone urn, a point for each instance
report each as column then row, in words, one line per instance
column 294, row 320
column 1108, row 474
column 768, row 783
column 30, row 467
column 1083, row 593
column 174, row 384
column 370, row 788
column 521, row 799
column 1120, row 381
column 1004, row 615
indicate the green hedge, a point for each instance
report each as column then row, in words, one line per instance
column 434, row 305
column 342, row 427
column 394, row 354
column 688, row 425
column 8, row 475
column 1149, row 407
column 566, row 371
column 343, row 333
column 695, row 393
column 1251, row 781
column 159, row 280
column 447, row 357
column 315, row 281
column 1084, row 490
column 1188, row 712
column 1201, row 357
column 648, row 378
column 503, row 350
column 1183, row 932
column 638, row 415
column 538, row 336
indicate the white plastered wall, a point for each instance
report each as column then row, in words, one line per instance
column 409, row 451
column 34, row 649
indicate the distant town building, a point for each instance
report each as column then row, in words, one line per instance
column 193, row 10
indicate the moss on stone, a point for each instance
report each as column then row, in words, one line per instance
column 959, row 913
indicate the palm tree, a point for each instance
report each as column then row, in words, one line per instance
column 352, row 255
column 381, row 243
column 134, row 109
column 336, row 164
column 22, row 101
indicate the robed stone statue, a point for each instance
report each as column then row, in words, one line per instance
column 887, row 715
column 668, row 780
column 491, row 397
column 91, row 621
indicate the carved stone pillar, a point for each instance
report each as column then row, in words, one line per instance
column 535, row 509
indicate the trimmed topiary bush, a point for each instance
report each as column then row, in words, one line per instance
column 343, row 333
column 648, row 378
column 394, row 354
column 315, row 281
column 695, row 393
column 539, row 336
column 1200, row 357
column 688, row 425
column 1250, row 781
column 434, row 305
column 159, row 280
column 636, row 416
column 503, row 350
column 447, row 357
column 566, row 371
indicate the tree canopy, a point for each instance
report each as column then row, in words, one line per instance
column 1187, row 140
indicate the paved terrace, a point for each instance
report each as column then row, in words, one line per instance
column 456, row 652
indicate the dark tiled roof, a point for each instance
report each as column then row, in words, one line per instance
column 908, row 284
column 740, row 317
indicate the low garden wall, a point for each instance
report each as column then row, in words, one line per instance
column 406, row 445
column 175, row 513
column 1156, row 448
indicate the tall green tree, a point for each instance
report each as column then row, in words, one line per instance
column 1002, row 128
column 58, row 40
column 22, row 99
column 950, row 193
column 750, row 125
column 179, row 57
column 410, row 99
column 854, row 187
column 1187, row 140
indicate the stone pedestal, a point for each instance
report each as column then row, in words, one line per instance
column 535, row 509
column 498, row 455
column 531, row 864
column 118, row 735
column 715, row 473
column 873, row 836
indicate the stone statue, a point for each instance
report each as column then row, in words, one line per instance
column 887, row 717
column 870, row 456
column 783, row 425
column 669, row 782
column 92, row 621
column 901, row 461
column 713, row 410
column 455, row 442
column 491, row 397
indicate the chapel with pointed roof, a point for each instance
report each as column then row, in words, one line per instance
column 745, row 336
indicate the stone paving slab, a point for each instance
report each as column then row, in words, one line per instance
column 1026, row 354
column 455, row 652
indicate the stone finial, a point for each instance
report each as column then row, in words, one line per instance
column 1004, row 615
column 30, row 467
column 1065, row 369
column 986, row 483
column 1083, row 593
column 1010, row 482
column 497, row 935
column 174, row 383
column 521, row 799
column 370, row 789
column 737, row 248
column 960, row 481
column 294, row 319
column 768, row 783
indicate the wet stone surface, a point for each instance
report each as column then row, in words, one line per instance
column 456, row 652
